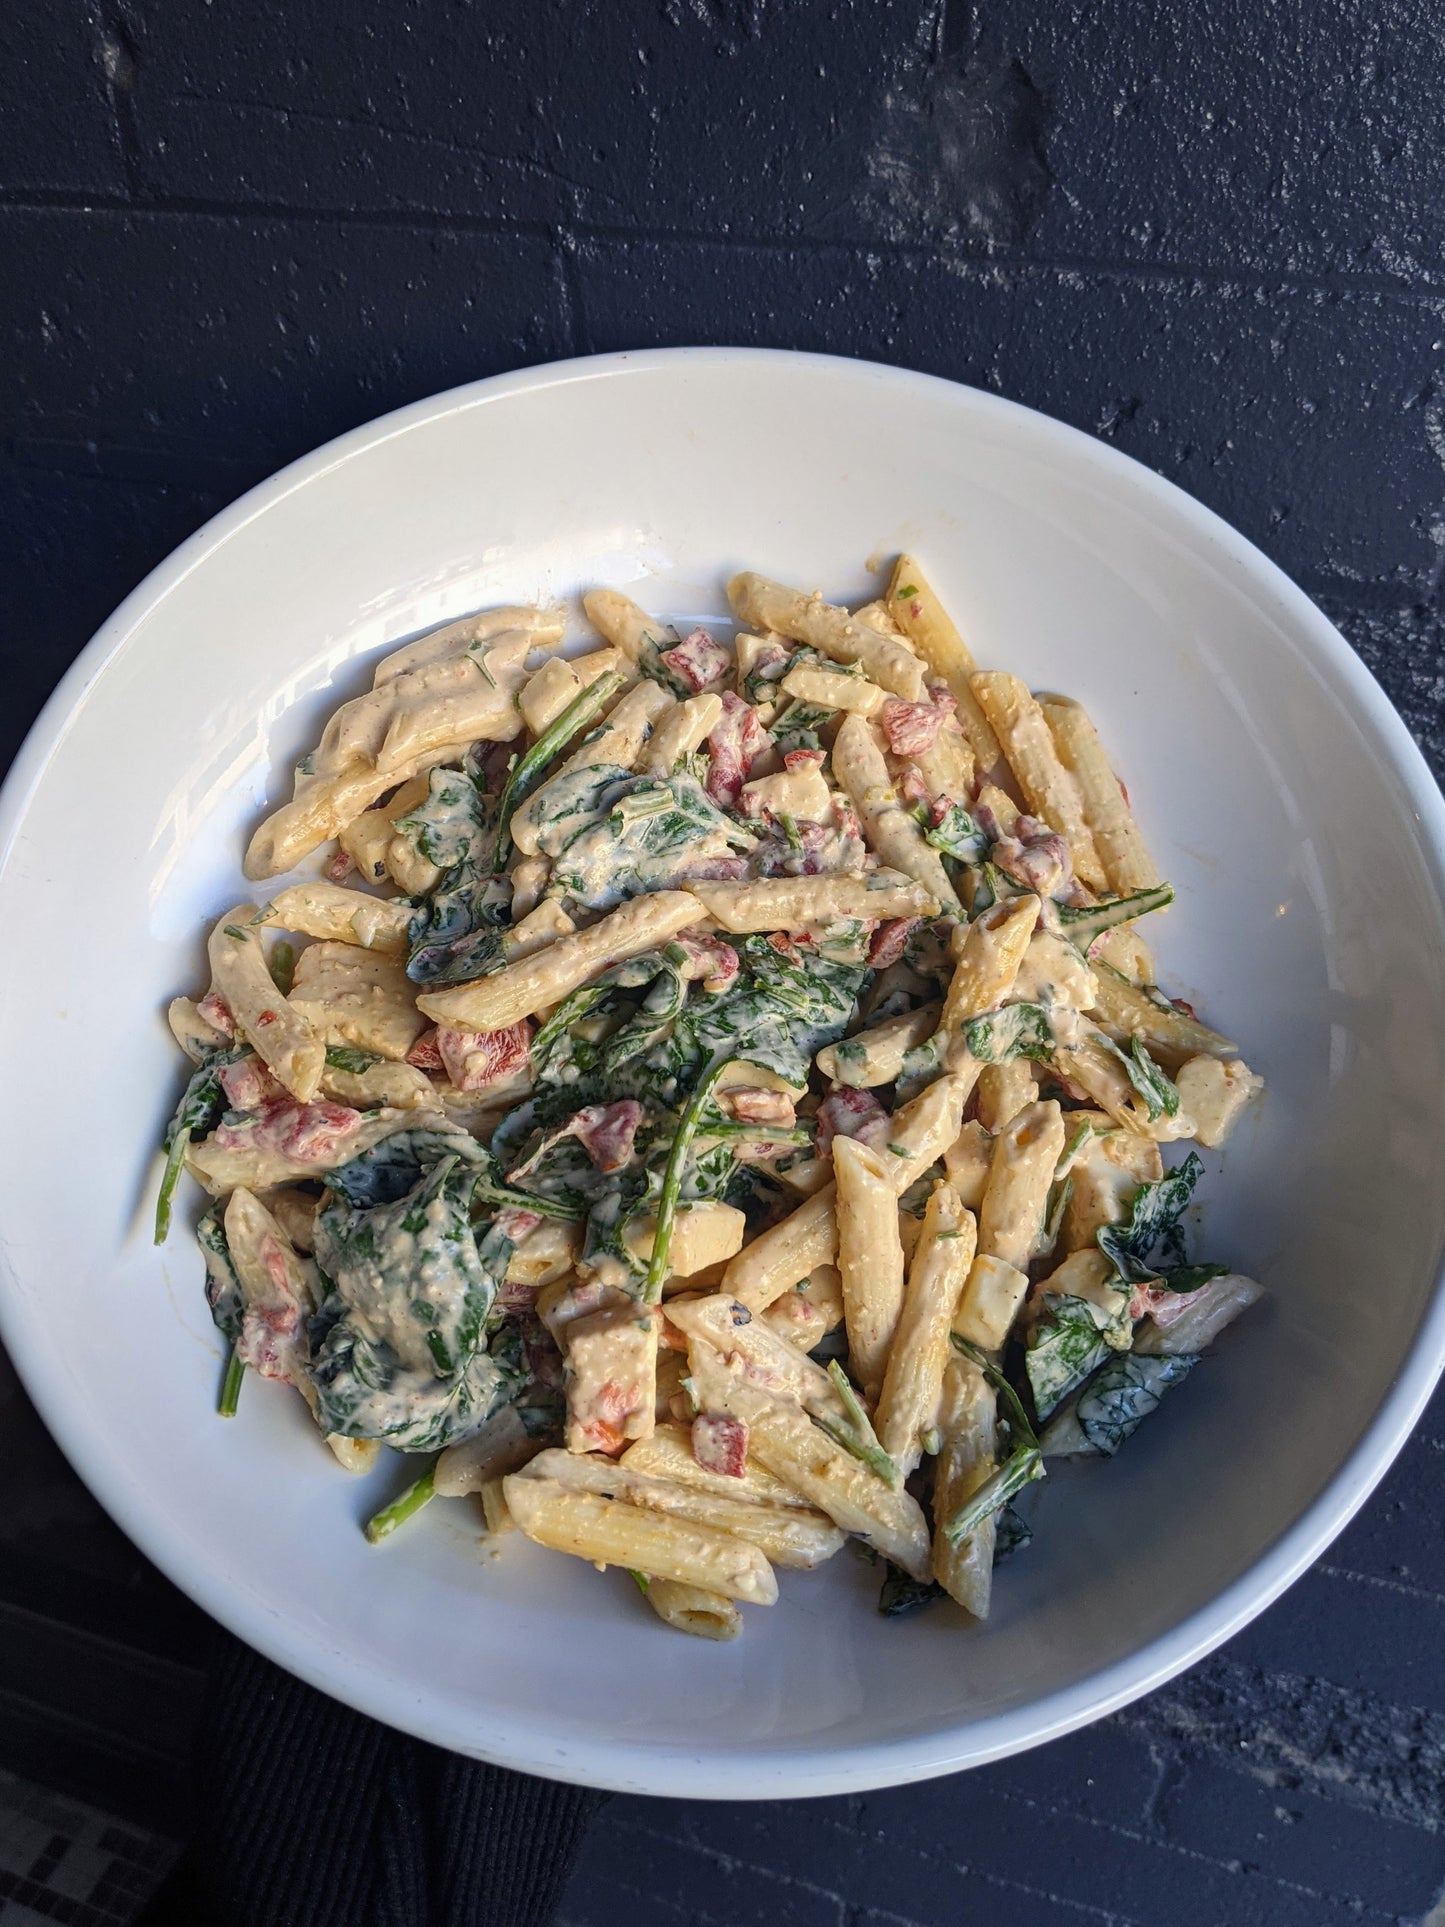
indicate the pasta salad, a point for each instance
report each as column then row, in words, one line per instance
column 707, row 1097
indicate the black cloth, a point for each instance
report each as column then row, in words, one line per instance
column 310, row 1815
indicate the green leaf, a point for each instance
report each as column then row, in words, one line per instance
column 1018, row 1030
column 1021, row 1468
column 1012, row 1532
column 530, row 768
column 640, row 1580
column 1153, row 1219
column 1082, row 926
column 1011, row 1408
column 1160, row 1093
column 1187, row 1278
column 1119, row 1397
column 902, row 1593
column 341, row 1057
column 864, row 1445
column 282, row 962
column 1064, row 1347
column 957, row 835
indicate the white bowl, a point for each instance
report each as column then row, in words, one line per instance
column 1279, row 790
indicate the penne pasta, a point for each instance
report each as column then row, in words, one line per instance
column 1126, row 862
column 908, row 1405
column 870, row 1259
column 277, row 1030
column 328, row 911
column 892, row 831
column 610, row 1533
column 692, row 1609
column 1049, row 789
column 965, row 1460
column 1021, row 1171
column 928, row 627
column 832, row 631
column 792, row 903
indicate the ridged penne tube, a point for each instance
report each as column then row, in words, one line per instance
column 542, row 925
column 548, row 690
column 806, row 1314
column 770, row 1361
column 1049, row 789
column 611, row 1533
column 968, row 1421
column 1127, row 951
column 790, row 903
column 323, row 809
column 913, row 1382
column 830, row 630
column 1125, row 1011
column 967, row 1162
column 870, row 1259
column 544, row 626
column 478, row 704
column 385, row 1082
column 1213, row 1093
column 791, row 1446
column 919, row 1133
column 281, row 1037
column 624, row 624
column 1003, row 1091
column 501, row 1445
column 707, row 1233
column 525, row 987
column 611, row 1377
column 195, row 1036
column 987, row 954
column 928, row 626
column 668, row 1455
column 368, row 839
column 893, row 831
column 691, row 1609
column 834, row 689
column 1087, row 1058
column 1127, row 863
column 624, row 732
column 872, row 1057
column 1021, row 1172
column 784, row 1535
column 330, row 911
column 683, row 729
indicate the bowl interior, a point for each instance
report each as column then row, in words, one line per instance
column 1277, row 790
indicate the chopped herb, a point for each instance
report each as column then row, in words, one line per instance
column 233, row 932
column 640, row 1580
column 909, row 588
column 1065, row 1346
column 283, row 966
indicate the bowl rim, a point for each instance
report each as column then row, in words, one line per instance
column 627, row 1765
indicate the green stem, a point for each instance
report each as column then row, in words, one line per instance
column 583, row 707
column 1012, row 1404
column 672, row 1180
column 175, row 1158
column 1082, row 926
column 382, row 1524
column 231, row 1385
column 866, row 1446
column 1017, row 1471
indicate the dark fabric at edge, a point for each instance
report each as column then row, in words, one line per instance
column 307, row 1814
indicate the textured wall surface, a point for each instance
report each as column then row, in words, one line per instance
column 1213, row 235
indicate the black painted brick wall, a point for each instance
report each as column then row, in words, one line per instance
column 1213, row 234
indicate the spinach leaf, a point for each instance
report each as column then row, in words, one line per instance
column 780, row 1011
column 902, row 1593
column 1012, row 1532
column 1065, row 1346
column 1153, row 1220
column 1117, row 1400
column 456, row 932
column 797, row 725
column 1082, row 926
column 1160, row 1093
column 342, row 1057
column 629, row 834
column 400, row 1345
column 389, row 1170
column 1187, row 1278
column 1018, row 1030
column 223, row 1285
column 957, row 835
column 529, row 770
column 202, row 1103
